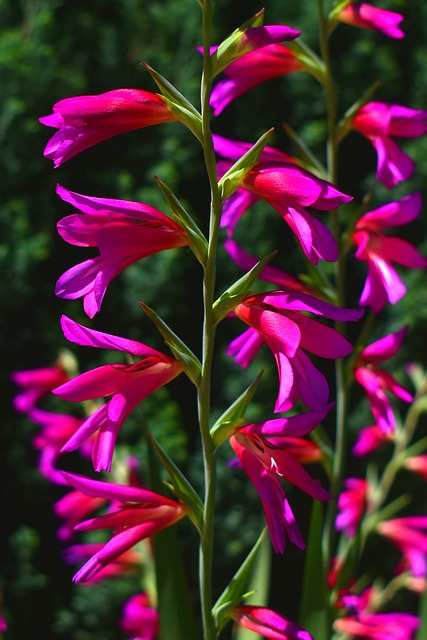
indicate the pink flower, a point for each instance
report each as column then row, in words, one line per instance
column 140, row 515
column 418, row 464
column 268, row 623
column 72, row 508
column 123, row 231
column 269, row 449
column 363, row 624
column 360, row 14
column 376, row 381
column 128, row 384
column 83, row 121
column 123, row 564
column 380, row 122
column 379, row 251
column 410, row 536
column 277, row 318
column 352, row 503
column 272, row 61
column 369, row 440
column 36, row 384
column 139, row 618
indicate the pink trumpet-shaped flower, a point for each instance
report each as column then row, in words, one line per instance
column 410, row 536
column 352, row 503
column 268, row 623
column 376, row 381
column 83, row 121
column 360, row 14
column 380, row 122
column 365, row 624
column 72, row 508
column 369, row 440
column 379, row 251
column 272, row 61
column 124, row 233
column 269, row 449
column 128, row 384
column 36, row 384
column 123, row 564
column 277, row 318
column 140, row 515
column 418, row 464
column 140, row 619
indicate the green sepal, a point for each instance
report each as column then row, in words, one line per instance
column 232, row 417
column 334, row 15
column 177, row 103
column 238, row 290
column 305, row 156
column 231, row 180
column 344, row 126
column 235, row 591
column 232, row 47
column 198, row 242
column 180, row 485
column 310, row 61
column 180, row 350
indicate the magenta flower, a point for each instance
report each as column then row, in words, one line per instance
column 269, row 449
column 376, row 381
column 410, row 537
column 352, row 503
column 364, row 624
column 379, row 251
column 140, row 515
column 369, row 440
column 278, row 318
column 36, row 384
column 123, row 231
column 360, row 14
column 418, row 465
column 272, row 61
column 140, row 619
column 72, row 508
column 268, row 623
column 380, row 122
column 128, row 384
column 83, row 121
column 123, row 564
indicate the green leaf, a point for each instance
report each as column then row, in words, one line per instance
column 181, row 486
column 233, row 416
column 198, row 242
column 313, row 612
column 180, row 350
column 231, row 180
column 236, row 588
column 238, row 290
column 311, row 62
column 232, row 47
column 173, row 600
column 308, row 159
column 422, row 612
column 344, row 126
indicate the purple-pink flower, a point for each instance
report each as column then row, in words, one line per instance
column 278, row 318
column 127, row 384
column 379, row 251
column 123, row 564
column 380, row 122
column 369, row 440
column 268, row 623
column 361, row 14
column 268, row 450
column 376, row 381
column 83, row 121
column 352, row 503
column 409, row 534
column 139, row 515
column 36, row 384
column 418, row 465
column 139, row 618
column 123, row 231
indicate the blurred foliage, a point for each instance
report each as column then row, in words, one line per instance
column 51, row 49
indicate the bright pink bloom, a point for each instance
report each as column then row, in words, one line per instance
column 72, row 508
column 410, row 536
column 418, row 464
column 376, row 381
column 140, row 619
column 364, row 624
column 380, row 122
column 352, row 503
column 269, row 449
column 36, row 384
column 369, row 440
column 268, row 623
column 379, row 251
column 83, row 121
column 123, row 231
column 127, row 384
column 123, row 564
column 360, row 14
column 140, row 515
column 277, row 318
column 253, row 68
